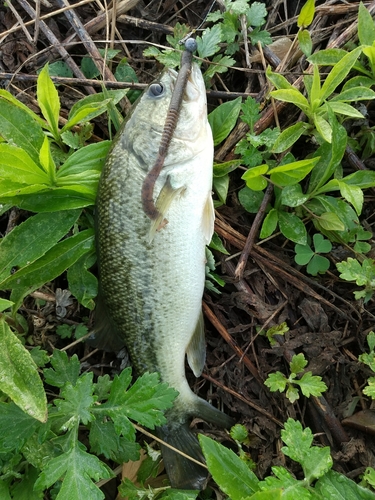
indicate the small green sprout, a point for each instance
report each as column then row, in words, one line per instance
column 310, row 385
column 363, row 274
column 369, row 360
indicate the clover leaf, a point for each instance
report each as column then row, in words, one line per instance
column 315, row 262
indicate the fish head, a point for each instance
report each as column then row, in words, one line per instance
column 145, row 125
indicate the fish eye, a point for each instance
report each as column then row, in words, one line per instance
column 156, row 90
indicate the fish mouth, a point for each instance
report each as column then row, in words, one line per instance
column 194, row 86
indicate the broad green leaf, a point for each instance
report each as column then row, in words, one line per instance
column 228, row 470
column 32, row 239
column 330, row 222
column 19, row 128
column 256, row 14
column 221, row 186
column 307, row 14
column 318, row 264
column 312, row 385
column 366, row 26
column 354, row 94
column 292, row 173
column 341, row 108
column 293, row 96
column 221, row 169
column 52, row 263
column 305, row 41
column 208, row 43
column 5, row 304
column 303, row 254
column 292, row 196
column 88, row 158
column 19, row 377
column 362, row 179
column 338, row 73
column 291, row 488
column 338, row 487
column 254, row 172
column 327, row 57
column 48, row 100
column 269, row 224
column 298, row 363
column 19, row 168
column 359, row 82
column 288, row 137
column 292, row 227
column 279, row 81
column 223, row 119
column 352, row 194
column 323, row 127
column 297, row 440
column 82, row 283
column 321, row 245
column 250, row 200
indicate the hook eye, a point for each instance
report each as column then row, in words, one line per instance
column 156, row 90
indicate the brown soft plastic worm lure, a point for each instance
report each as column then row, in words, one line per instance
column 169, row 128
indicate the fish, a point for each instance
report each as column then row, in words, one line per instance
column 152, row 271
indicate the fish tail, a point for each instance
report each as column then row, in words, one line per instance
column 183, row 473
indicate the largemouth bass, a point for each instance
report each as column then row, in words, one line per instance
column 152, row 272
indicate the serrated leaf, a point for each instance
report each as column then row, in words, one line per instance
column 82, row 283
column 220, row 64
column 104, row 440
column 298, row 363
column 297, row 440
column 48, row 100
column 64, row 370
column 276, row 382
column 228, row 470
column 19, row 377
column 352, row 270
column 311, row 385
column 223, row 119
column 307, row 14
column 207, row 44
column 256, row 14
column 292, row 227
column 284, row 480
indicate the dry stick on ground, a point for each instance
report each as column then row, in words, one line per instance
column 56, row 44
column 87, row 41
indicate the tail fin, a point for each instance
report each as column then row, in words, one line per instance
column 182, row 472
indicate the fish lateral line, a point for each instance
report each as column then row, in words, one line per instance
column 170, row 124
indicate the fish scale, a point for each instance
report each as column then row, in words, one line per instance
column 152, row 273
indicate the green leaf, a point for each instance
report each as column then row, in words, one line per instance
column 293, row 96
column 288, row 137
column 223, row 119
column 279, row 81
column 292, row 173
column 356, row 93
column 321, row 245
column 330, row 222
column 228, row 470
column 5, row 304
column 48, row 100
column 297, row 440
column 276, row 382
column 292, row 227
column 362, row 179
column 253, row 177
column 82, row 283
column 352, row 194
column 208, row 42
column 256, row 14
column 298, row 363
column 221, row 186
column 250, row 112
column 18, row 167
column 19, row 128
column 46, row 161
column 60, row 68
column 341, row 108
column 217, row 244
column 76, row 467
column 366, row 26
column 292, row 196
column 307, row 14
column 338, row 487
column 311, row 385
column 221, row 169
column 269, row 224
column 52, row 263
column 303, row 254
column 33, row 238
column 64, row 370
column 323, row 127
column 250, row 200
column 19, row 378
column 76, row 401
column 305, row 41
column 16, row 427
column 352, row 270
column 338, row 73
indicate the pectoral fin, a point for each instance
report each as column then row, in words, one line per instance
column 166, row 196
column 208, row 219
column 196, row 350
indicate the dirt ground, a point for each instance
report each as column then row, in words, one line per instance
column 325, row 323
